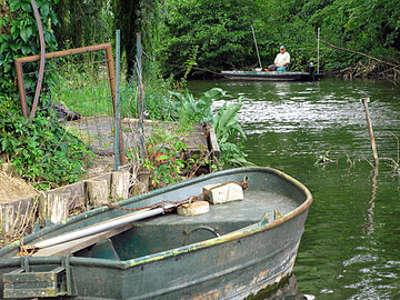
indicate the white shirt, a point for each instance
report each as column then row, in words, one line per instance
column 282, row 59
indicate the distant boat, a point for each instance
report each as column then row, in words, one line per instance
column 270, row 75
column 234, row 250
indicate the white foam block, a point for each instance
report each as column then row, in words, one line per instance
column 221, row 193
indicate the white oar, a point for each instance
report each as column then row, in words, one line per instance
column 103, row 226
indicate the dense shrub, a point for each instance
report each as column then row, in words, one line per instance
column 40, row 150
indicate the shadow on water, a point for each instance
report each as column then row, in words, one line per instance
column 351, row 245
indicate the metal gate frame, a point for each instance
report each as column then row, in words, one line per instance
column 111, row 78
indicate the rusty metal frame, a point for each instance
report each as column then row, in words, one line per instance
column 111, row 77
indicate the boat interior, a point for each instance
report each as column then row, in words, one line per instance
column 172, row 231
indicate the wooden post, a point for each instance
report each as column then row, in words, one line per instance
column 98, row 192
column 370, row 131
column 7, row 218
column 120, row 183
column 141, row 184
column 53, row 207
column 17, row 217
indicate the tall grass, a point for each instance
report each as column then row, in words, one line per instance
column 86, row 90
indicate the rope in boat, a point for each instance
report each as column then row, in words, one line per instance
column 156, row 205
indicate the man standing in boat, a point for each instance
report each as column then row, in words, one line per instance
column 281, row 61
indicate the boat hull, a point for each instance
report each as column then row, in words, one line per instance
column 269, row 76
column 230, row 266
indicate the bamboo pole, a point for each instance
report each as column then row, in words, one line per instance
column 370, row 131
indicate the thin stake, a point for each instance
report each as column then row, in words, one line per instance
column 371, row 131
column 255, row 43
column 117, row 100
column 318, row 37
column 140, row 103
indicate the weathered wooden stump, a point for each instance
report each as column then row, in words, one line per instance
column 120, row 183
column 141, row 184
column 98, row 192
column 54, row 207
column 17, row 217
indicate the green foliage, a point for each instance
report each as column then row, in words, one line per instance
column 84, row 88
column 229, row 132
column 368, row 26
column 216, row 35
column 169, row 160
column 19, row 37
column 41, row 151
column 83, row 22
column 165, row 158
column 196, row 111
column 227, row 127
column 215, row 32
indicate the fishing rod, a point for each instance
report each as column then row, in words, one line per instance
column 318, row 39
column 255, row 43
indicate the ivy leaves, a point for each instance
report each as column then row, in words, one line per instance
column 19, row 36
column 41, row 151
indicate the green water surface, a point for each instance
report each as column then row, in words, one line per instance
column 351, row 245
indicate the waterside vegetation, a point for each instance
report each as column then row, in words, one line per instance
column 182, row 40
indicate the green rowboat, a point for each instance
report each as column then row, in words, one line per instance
column 270, row 75
column 236, row 249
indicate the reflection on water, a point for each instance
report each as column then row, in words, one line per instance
column 351, row 245
column 286, row 290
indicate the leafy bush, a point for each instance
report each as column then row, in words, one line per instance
column 229, row 132
column 225, row 122
column 19, row 37
column 196, row 111
column 41, row 151
column 165, row 158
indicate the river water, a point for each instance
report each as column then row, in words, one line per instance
column 317, row 133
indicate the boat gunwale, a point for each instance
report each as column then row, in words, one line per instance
column 265, row 73
column 231, row 236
